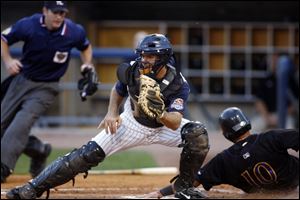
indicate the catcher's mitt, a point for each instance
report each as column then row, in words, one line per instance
column 150, row 99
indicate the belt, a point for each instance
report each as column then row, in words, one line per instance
column 38, row 80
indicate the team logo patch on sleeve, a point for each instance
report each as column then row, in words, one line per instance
column 177, row 104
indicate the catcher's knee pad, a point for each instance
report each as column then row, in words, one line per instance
column 67, row 167
column 195, row 148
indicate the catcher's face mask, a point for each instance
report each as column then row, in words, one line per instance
column 149, row 64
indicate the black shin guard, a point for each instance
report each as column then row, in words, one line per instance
column 67, row 167
column 195, row 148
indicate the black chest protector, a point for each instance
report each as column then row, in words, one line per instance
column 169, row 85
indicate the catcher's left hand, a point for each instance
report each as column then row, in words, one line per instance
column 150, row 99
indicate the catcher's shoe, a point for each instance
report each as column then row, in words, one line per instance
column 24, row 192
column 38, row 163
column 190, row 193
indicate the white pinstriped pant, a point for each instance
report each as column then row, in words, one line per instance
column 131, row 134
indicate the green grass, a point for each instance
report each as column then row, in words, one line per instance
column 123, row 160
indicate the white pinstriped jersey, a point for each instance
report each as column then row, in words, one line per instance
column 131, row 134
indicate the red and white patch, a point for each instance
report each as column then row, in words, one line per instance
column 177, row 104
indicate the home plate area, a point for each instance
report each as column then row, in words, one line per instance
column 132, row 186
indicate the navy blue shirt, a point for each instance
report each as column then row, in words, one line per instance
column 46, row 54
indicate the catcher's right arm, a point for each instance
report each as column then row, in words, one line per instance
column 150, row 99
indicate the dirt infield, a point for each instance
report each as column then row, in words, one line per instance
column 131, row 187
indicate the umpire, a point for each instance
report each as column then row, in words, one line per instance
column 48, row 39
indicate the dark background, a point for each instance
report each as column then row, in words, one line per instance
column 164, row 10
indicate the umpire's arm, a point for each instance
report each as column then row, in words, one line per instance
column 86, row 55
column 13, row 66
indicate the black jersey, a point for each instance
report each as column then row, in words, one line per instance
column 257, row 162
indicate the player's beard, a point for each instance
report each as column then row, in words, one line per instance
column 145, row 67
column 149, row 69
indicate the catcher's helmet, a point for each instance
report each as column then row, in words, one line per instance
column 156, row 44
column 233, row 123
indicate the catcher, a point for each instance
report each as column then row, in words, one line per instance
column 153, row 114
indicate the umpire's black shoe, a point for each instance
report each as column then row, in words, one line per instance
column 190, row 193
column 5, row 172
column 24, row 192
column 38, row 163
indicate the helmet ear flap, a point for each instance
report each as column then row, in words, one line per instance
column 165, row 58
